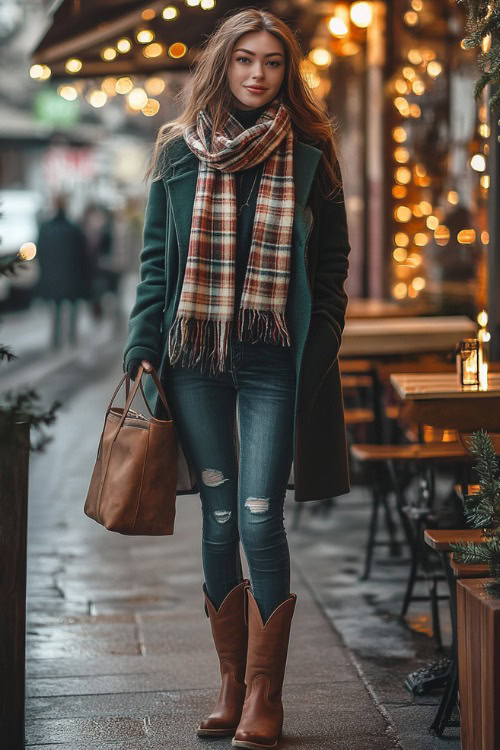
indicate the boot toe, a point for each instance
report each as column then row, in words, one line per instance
column 214, row 726
column 244, row 738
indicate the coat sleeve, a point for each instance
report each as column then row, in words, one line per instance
column 329, row 297
column 144, row 339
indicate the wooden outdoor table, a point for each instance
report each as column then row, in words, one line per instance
column 440, row 539
column 404, row 335
column 436, row 399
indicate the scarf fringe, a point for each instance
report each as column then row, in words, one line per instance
column 194, row 342
column 263, row 325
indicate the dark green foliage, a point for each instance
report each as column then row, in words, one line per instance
column 482, row 511
column 478, row 25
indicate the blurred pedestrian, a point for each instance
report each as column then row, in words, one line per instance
column 64, row 274
column 97, row 226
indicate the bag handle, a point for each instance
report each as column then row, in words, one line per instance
column 158, row 384
column 128, row 402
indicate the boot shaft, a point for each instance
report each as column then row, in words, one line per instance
column 268, row 643
column 229, row 626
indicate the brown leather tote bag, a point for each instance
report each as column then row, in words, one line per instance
column 133, row 484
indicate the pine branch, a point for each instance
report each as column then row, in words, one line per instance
column 483, row 19
column 6, row 353
column 493, row 588
column 11, row 265
column 470, row 553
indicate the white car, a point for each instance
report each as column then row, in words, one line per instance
column 18, row 224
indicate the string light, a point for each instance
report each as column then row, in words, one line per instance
column 123, row 45
column 361, row 14
column 170, row 13
column 144, row 36
column 67, row 92
column 124, row 85
column 27, row 251
column 109, row 53
column 177, row 49
column 137, row 99
column 153, row 50
column 466, row 236
column 73, row 65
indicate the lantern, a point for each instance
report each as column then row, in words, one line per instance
column 468, row 363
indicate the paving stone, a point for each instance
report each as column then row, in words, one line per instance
column 120, row 649
column 65, row 731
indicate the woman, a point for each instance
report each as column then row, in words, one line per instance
column 245, row 330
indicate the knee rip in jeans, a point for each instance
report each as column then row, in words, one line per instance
column 257, row 504
column 222, row 515
column 213, row 477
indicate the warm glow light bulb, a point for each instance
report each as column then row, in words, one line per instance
column 399, row 134
column 144, row 36
column 434, row 68
column 154, row 86
column 169, row 13
column 97, row 98
column 27, row 251
column 153, row 50
column 177, row 49
column 109, row 53
column 482, row 318
column 361, row 14
column 401, row 238
column 478, row 162
column 124, row 85
column 320, row 57
column 36, row 71
column 137, row 98
column 68, row 92
column 151, row 108
column 123, row 45
column 337, row 26
column 73, row 65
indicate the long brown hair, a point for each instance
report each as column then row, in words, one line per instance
column 209, row 90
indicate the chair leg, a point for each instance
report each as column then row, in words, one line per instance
column 436, row 624
column 394, row 547
column 400, row 503
column 412, row 576
column 372, row 532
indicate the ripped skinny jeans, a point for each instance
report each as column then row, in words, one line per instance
column 241, row 500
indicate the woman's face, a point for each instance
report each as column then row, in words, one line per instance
column 257, row 59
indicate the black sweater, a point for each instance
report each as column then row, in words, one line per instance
column 244, row 224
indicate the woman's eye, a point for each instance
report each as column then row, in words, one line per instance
column 274, row 63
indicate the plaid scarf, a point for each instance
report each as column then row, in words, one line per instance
column 204, row 319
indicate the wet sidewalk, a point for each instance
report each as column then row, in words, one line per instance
column 119, row 652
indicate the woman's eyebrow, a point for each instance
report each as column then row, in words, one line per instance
column 249, row 51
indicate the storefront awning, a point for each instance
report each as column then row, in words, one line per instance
column 85, row 29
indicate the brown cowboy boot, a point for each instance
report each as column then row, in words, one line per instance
column 262, row 717
column 230, row 634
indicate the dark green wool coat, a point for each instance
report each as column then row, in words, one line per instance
column 315, row 311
